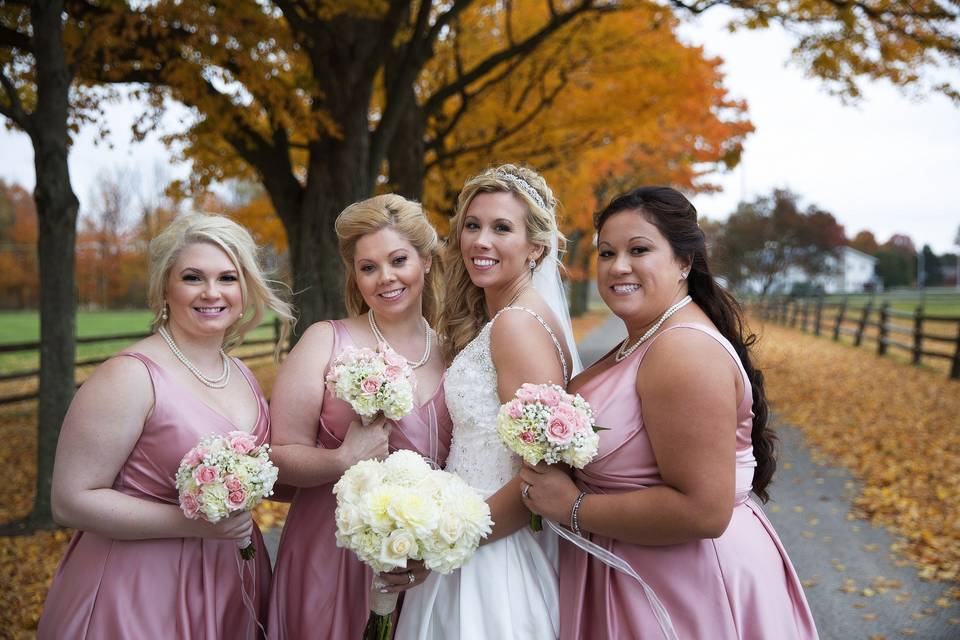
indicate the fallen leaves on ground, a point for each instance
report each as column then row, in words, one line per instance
column 895, row 427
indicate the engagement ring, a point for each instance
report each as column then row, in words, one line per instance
column 411, row 578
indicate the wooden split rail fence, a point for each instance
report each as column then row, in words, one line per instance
column 921, row 335
column 22, row 347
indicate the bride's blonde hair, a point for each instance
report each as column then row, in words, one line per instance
column 464, row 312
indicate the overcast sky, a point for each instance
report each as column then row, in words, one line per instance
column 889, row 164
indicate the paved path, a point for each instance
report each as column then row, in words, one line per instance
column 856, row 588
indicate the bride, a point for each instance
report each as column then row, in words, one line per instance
column 505, row 323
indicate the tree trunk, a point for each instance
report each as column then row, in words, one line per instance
column 406, row 153
column 57, row 227
column 338, row 175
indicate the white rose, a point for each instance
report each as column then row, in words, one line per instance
column 396, row 548
column 451, row 528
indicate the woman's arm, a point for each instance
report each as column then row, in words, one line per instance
column 102, row 426
column 522, row 352
column 688, row 383
column 295, row 406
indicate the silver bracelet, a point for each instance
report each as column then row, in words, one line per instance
column 575, row 514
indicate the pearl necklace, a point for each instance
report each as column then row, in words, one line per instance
column 216, row 383
column 380, row 338
column 623, row 352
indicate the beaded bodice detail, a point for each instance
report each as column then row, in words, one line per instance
column 476, row 453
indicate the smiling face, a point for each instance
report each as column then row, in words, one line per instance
column 203, row 291
column 389, row 273
column 494, row 242
column 638, row 275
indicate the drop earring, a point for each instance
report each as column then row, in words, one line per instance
column 163, row 314
column 532, row 264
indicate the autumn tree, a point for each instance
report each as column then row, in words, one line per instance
column 762, row 239
column 323, row 102
column 19, row 279
column 866, row 242
column 36, row 78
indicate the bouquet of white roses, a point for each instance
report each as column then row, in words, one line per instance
column 224, row 474
column 401, row 509
column 545, row 423
column 373, row 382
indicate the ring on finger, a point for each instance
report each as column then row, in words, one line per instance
column 525, row 492
column 411, row 578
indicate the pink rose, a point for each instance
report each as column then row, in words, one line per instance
column 528, row 437
column 393, row 358
column 559, row 431
column 242, row 442
column 565, row 411
column 515, row 409
column 236, row 499
column 193, row 457
column 394, row 373
column 370, row 386
column 189, row 505
column 550, row 397
column 232, row 483
column 527, row 393
column 205, row 474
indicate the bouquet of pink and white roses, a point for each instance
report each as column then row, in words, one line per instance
column 225, row 474
column 402, row 509
column 545, row 423
column 373, row 382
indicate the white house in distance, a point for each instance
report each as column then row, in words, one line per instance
column 851, row 272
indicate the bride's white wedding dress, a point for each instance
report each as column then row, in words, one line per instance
column 509, row 589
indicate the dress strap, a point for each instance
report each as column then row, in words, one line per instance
column 553, row 336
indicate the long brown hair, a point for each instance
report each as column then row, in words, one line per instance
column 676, row 218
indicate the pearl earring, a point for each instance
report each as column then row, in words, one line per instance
column 533, row 264
column 163, row 314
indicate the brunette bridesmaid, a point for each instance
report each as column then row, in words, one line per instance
column 387, row 246
column 137, row 567
column 669, row 491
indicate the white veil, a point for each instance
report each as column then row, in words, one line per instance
column 547, row 282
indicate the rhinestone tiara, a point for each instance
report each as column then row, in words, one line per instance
column 524, row 186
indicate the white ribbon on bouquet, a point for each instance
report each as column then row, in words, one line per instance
column 614, row 561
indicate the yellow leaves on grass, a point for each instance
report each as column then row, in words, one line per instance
column 895, row 427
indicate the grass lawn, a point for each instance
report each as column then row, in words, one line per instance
column 24, row 326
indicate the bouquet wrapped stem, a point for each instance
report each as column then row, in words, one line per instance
column 382, row 606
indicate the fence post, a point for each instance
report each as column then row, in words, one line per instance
column 794, row 313
column 803, row 320
column 863, row 323
column 840, row 314
column 955, row 369
column 917, row 334
column 819, row 318
column 882, row 333
column 784, row 304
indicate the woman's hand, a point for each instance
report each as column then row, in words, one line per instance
column 548, row 490
column 238, row 526
column 365, row 442
column 401, row 579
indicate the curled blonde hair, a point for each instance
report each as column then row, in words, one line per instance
column 465, row 311
column 257, row 290
column 407, row 218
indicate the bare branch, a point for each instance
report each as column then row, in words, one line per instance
column 14, row 109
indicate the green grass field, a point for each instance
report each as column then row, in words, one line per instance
column 24, row 326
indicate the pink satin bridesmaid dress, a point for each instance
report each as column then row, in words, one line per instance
column 185, row 588
column 738, row 586
column 320, row 590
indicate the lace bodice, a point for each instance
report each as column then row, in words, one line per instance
column 476, row 453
